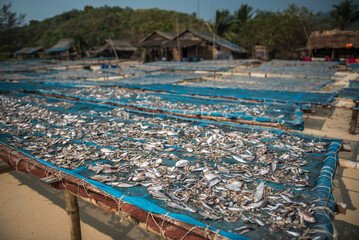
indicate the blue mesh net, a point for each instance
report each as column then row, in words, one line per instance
column 352, row 92
column 209, row 174
column 296, row 68
column 289, row 115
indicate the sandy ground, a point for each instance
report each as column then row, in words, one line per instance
column 31, row 209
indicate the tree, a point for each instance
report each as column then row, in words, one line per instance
column 9, row 19
column 243, row 14
column 223, row 22
column 344, row 14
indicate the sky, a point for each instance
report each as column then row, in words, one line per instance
column 41, row 9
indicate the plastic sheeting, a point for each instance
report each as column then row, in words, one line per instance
column 296, row 68
column 269, row 83
column 259, row 95
column 352, row 92
column 208, row 65
column 93, row 135
column 289, row 115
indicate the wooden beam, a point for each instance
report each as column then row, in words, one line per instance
column 72, row 209
column 353, row 121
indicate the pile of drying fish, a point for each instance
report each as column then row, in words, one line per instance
column 212, row 172
column 185, row 103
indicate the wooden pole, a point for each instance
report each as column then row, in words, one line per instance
column 72, row 209
column 354, row 119
column 120, row 72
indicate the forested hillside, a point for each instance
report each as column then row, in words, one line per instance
column 92, row 25
column 281, row 32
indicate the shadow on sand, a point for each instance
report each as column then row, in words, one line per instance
column 109, row 224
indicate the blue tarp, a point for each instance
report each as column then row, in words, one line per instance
column 316, row 156
column 289, row 115
column 259, row 95
column 296, row 68
column 351, row 92
column 57, row 49
column 268, row 83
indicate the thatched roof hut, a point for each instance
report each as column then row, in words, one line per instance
column 344, row 43
column 63, row 45
column 153, row 45
column 63, row 49
column 124, row 49
column 29, row 52
column 333, row 39
column 199, row 44
column 156, row 39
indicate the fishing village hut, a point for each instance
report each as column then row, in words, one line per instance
column 334, row 44
column 29, row 52
column 63, row 49
column 123, row 48
column 153, row 45
column 195, row 45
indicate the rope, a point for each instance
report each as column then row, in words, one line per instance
column 154, row 220
column 163, row 221
column 327, row 171
column 208, row 232
column 120, row 202
column 330, row 190
column 325, row 176
column 320, row 231
column 324, row 208
column 217, row 234
column 148, row 214
column 18, row 163
column 188, row 232
column 339, row 145
column 322, row 199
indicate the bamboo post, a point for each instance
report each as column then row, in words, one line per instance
column 120, row 72
column 353, row 121
column 72, row 209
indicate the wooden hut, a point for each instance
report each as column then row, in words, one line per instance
column 260, row 52
column 199, row 45
column 334, row 44
column 63, row 49
column 29, row 52
column 123, row 48
column 154, row 46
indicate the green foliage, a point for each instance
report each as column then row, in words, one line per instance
column 344, row 14
column 9, row 19
column 223, row 23
column 90, row 26
column 281, row 32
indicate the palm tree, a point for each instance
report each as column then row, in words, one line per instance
column 223, row 22
column 345, row 13
column 242, row 15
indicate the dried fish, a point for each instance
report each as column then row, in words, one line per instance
column 258, row 195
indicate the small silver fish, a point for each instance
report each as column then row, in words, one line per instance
column 241, row 160
column 258, row 195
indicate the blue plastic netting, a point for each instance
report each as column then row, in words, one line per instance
column 351, row 92
column 289, row 115
column 259, row 95
column 221, row 175
column 269, row 83
column 296, row 68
